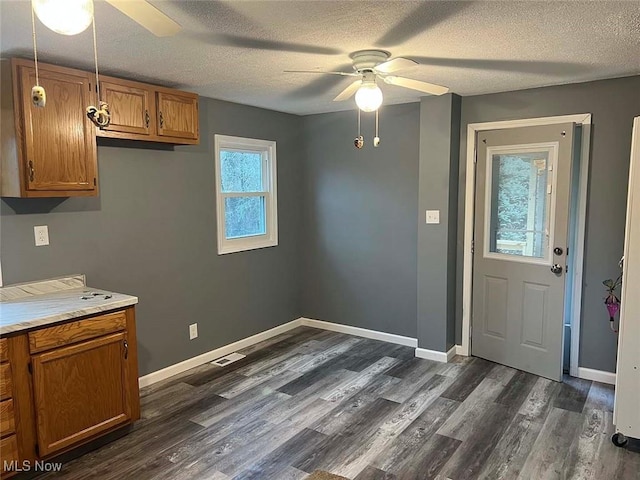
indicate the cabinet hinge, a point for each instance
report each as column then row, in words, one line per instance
column 30, row 368
column 37, row 449
column 95, row 182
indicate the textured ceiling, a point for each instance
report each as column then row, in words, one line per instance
column 238, row 50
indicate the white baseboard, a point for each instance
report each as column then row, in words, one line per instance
column 177, row 368
column 597, row 375
column 453, row 351
column 361, row 332
column 434, row 355
column 438, row 356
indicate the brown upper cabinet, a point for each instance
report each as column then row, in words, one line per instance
column 177, row 115
column 146, row 112
column 50, row 151
column 131, row 106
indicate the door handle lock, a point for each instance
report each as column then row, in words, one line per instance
column 556, row 268
column 558, row 251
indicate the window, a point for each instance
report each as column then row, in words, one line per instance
column 246, row 194
column 520, row 197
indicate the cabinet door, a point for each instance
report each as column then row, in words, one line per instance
column 129, row 105
column 59, row 140
column 177, row 115
column 80, row 391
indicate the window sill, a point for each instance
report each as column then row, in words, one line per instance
column 246, row 246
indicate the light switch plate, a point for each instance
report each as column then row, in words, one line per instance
column 41, row 234
column 193, row 331
column 433, row 216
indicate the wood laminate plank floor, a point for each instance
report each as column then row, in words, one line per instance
column 367, row 410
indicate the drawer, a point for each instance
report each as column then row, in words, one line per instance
column 73, row 332
column 5, row 381
column 4, row 350
column 7, row 420
column 8, row 451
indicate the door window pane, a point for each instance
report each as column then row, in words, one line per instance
column 519, row 219
column 244, row 216
column 241, row 171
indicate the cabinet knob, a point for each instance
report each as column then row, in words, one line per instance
column 146, row 118
column 32, row 171
column 161, row 120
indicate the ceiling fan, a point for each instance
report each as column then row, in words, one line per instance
column 72, row 17
column 371, row 65
column 148, row 16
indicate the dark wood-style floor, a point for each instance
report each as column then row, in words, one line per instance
column 312, row 399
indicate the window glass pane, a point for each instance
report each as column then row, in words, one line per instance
column 241, row 171
column 245, row 216
column 519, row 223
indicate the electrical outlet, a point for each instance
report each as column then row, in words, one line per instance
column 41, row 234
column 193, row 331
column 433, row 216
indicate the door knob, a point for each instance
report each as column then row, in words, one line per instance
column 556, row 268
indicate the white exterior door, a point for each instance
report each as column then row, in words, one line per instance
column 523, row 183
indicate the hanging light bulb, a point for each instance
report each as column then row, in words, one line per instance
column 68, row 17
column 369, row 95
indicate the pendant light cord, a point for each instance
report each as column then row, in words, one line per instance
column 35, row 44
column 95, row 56
column 377, row 121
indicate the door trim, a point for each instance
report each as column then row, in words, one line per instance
column 583, row 119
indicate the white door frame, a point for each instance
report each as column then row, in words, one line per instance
column 469, row 200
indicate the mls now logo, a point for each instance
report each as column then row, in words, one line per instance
column 28, row 466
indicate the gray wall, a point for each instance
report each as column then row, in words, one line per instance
column 613, row 104
column 359, row 227
column 438, row 190
column 348, row 248
column 152, row 233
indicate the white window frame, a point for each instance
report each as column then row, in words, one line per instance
column 552, row 150
column 267, row 149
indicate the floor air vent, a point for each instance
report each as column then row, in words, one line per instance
column 224, row 361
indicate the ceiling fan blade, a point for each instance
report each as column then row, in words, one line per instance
column 148, row 16
column 425, row 87
column 278, row 46
column 348, row 92
column 394, row 65
column 345, row 74
column 524, row 66
column 423, row 18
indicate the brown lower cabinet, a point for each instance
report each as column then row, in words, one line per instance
column 70, row 384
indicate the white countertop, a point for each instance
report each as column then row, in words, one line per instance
column 38, row 304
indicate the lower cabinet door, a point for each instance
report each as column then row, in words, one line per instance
column 80, row 391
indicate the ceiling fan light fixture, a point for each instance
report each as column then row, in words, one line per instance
column 369, row 97
column 67, row 17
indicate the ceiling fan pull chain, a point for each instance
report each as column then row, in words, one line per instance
column 376, row 139
column 99, row 115
column 35, row 44
column 95, row 56
column 359, row 140
column 38, row 95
